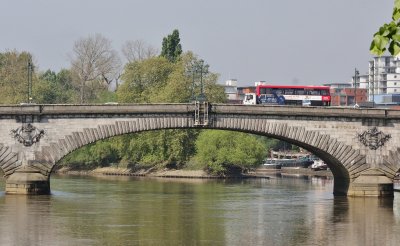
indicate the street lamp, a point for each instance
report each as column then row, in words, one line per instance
column 197, row 70
column 201, row 97
column 30, row 71
column 192, row 72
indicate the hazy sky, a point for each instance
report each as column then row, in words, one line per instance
column 279, row 41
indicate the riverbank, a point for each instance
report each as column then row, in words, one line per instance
column 183, row 173
column 166, row 173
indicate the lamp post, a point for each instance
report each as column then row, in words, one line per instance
column 197, row 70
column 192, row 72
column 201, row 96
column 30, row 71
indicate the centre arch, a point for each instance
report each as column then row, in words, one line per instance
column 345, row 162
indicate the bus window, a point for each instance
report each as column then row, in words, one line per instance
column 314, row 92
column 289, row 91
column 300, row 92
column 324, row 92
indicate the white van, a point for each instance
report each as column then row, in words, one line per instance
column 250, row 99
column 306, row 103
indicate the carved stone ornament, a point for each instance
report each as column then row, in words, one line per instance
column 27, row 134
column 373, row 138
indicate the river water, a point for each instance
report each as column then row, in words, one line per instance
column 146, row 211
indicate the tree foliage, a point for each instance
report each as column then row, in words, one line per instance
column 388, row 35
column 144, row 79
column 54, row 87
column 222, row 151
column 171, row 47
column 14, row 76
column 100, row 154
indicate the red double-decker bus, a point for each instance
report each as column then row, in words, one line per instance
column 306, row 95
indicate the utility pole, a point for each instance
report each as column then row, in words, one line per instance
column 373, row 84
column 356, row 73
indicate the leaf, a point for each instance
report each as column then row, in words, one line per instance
column 394, row 48
column 381, row 41
column 393, row 28
column 375, row 50
column 396, row 37
column 396, row 14
column 384, row 30
column 397, row 4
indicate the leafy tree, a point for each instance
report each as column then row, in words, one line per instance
column 144, row 79
column 14, row 76
column 171, row 47
column 388, row 34
column 222, row 152
column 179, row 86
column 100, row 154
column 55, row 88
column 163, row 148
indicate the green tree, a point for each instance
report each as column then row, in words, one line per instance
column 144, row 79
column 100, row 154
column 55, row 88
column 222, row 152
column 14, row 76
column 171, row 47
column 388, row 35
column 179, row 85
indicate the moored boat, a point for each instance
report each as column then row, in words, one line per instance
column 271, row 164
column 319, row 165
column 287, row 163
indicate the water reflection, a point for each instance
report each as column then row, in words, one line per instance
column 139, row 211
column 364, row 221
column 26, row 221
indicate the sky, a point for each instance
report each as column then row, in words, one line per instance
column 308, row 42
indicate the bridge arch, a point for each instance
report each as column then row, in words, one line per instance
column 345, row 162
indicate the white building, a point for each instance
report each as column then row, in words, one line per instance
column 231, row 89
column 383, row 77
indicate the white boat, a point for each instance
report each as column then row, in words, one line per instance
column 272, row 164
column 319, row 165
column 292, row 163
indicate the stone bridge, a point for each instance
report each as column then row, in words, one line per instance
column 360, row 146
